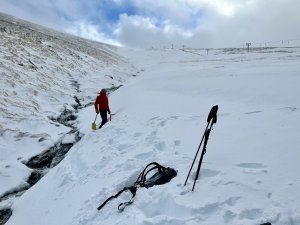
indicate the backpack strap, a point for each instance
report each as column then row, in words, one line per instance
column 133, row 190
column 111, row 197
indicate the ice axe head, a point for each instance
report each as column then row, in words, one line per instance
column 94, row 126
column 213, row 114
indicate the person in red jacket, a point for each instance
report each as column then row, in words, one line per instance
column 102, row 106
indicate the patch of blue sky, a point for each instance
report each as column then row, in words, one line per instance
column 111, row 11
column 107, row 13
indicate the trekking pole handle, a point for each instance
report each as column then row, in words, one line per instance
column 213, row 114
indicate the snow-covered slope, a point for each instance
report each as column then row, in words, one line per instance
column 44, row 74
column 250, row 173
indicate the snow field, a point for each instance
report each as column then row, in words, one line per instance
column 250, row 171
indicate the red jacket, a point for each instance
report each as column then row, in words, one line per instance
column 102, row 101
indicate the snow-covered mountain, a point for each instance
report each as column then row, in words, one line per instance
column 249, row 175
column 46, row 76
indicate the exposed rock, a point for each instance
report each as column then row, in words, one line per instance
column 5, row 214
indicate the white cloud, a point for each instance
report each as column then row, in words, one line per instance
column 223, row 7
column 89, row 31
column 220, row 23
column 140, row 31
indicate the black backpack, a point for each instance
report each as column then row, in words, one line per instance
column 162, row 176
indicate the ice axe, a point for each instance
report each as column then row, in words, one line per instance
column 94, row 126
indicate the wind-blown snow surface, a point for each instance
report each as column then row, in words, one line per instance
column 250, row 173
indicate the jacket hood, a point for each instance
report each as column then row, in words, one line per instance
column 103, row 91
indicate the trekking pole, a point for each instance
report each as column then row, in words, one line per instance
column 202, row 154
column 196, row 155
column 211, row 118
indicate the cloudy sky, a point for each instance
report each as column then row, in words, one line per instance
column 161, row 23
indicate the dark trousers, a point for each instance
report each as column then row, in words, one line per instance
column 103, row 114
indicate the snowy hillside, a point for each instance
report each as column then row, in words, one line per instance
column 46, row 76
column 250, row 173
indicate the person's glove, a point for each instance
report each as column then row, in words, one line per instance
column 97, row 112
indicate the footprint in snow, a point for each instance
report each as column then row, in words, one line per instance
column 177, row 142
column 270, row 194
column 229, row 216
column 253, row 168
column 122, row 147
column 251, row 165
column 162, row 123
column 138, row 134
column 205, row 173
column 127, row 166
column 166, row 206
column 143, row 155
column 290, row 109
column 232, row 200
column 208, row 209
column 160, row 146
column 159, row 121
column 251, row 214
